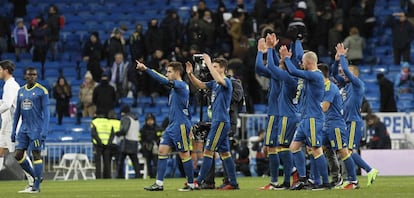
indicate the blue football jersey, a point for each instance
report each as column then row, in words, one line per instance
column 333, row 96
column 32, row 106
column 220, row 100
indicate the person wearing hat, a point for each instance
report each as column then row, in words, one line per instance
column 150, row 140
column 20, row 38
column 129, row 137
column 86, row 94
column 104, row 97
column 92, row 54
column 404, row 81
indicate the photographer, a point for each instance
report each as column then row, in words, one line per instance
column 217, row 138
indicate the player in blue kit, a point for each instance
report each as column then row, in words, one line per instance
column 217, row 139
column 271, row 142
column 352, row 100
column 288, row 119
column 335, row 135
column 309, row 131
column 32, row 106
column 176, row 135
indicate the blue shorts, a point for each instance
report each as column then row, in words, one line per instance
column 176, row 137
column 29, row 141
column 355, row 131
column 309, row 132
column 335, row 136
column 218, row 139
column 287, row 126
column 272, row 131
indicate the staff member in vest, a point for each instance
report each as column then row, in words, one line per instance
column 129, row 141
column 101, row 130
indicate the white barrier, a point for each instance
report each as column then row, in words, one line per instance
column 390, row 162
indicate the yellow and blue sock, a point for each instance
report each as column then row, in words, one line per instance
column 205, row 167
column 188, row 169
column 230, row 169
column 26, row 166
column 286, row 158
column 38, row 170
column 322, row 166
column 274, row 166
column 300, row 162
column 162, row 166
column 350, row 168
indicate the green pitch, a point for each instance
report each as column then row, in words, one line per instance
column 393, row 187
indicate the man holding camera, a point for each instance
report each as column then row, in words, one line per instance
column 217, row 138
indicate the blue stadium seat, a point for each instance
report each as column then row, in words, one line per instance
column 154, row 110
column 380, row 69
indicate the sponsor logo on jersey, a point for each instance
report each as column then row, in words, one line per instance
column 27, row 104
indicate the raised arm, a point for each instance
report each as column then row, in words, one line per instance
column 216, row 76
column 154, row 74
column 283, row 51
column 260, row 66
column 341, row 50
column 194, row 80
column 335, row 73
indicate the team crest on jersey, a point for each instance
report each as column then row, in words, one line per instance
column 27, row 104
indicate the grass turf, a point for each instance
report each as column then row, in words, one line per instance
column 383, row 187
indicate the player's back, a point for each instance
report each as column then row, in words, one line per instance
column 274, row 92
column 31, row 106
column 352, row 100
column 334, row 113
column 311, row 96
column 287, row 94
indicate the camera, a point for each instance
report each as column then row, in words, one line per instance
column 200, row 69
column 201, row 130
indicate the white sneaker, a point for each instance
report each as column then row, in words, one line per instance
column 28, row 189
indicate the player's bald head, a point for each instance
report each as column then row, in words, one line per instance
column 311, row 57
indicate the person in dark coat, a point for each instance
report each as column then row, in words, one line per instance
column 91, row 53
column 19, row 8
column 54, row 28
column 62, row 93
column 387, row 98
column 114, row 45
column 40, row 39
column 153, row 37
column 104, row 97
column 402, row 35
column 380, row 138
column 150, row 139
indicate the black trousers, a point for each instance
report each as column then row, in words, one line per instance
column 135, row 164
column 102, row 155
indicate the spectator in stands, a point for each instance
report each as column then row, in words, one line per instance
column 54, row 28
column 404, row 81
column 240, row 42
column 119, row 75
column 318, row 41
column 409, row 7
column 380, row 138
column 355, row 44
column 260, row 11
column 387, row 98
column 136, row 44
column 129, row 141
column 201, row 8
column 208, row 28
column 153, row 37
column 4, row 34
column 62, row 93
column 39, row 37
column 402, row 34
column 150, row 140
column 92, row 54
column 172, row 31
column 223, row 42
column 114, row 45
column 158, row 63
column 195, row 35
column 335, row 37
column 86, row 95
column 104, row 97
column 20, row 38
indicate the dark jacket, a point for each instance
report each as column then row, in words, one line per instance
column 53, row 25
column 104, row 97
column 150, row 135
column 387, row 98
column 381, row 138
column 402, row 32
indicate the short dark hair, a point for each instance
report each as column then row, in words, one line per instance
column 30, row 68
column 221, row 61
column 324, row 69
column 9, row 65
column 177, row 66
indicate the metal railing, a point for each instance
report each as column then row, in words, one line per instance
column 53, row 152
